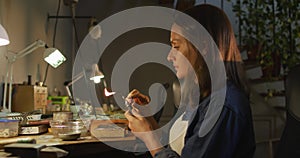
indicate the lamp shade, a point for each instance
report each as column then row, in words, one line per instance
column 54, row 57
column 4, row 40
column 96, row 74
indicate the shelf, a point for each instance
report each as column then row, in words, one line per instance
column 274, row 94
column 264, row 80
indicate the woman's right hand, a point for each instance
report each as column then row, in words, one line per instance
column 134, row 100
column 142, row 128
column 137, row 123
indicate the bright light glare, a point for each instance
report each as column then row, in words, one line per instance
column 3, row 42
column 55, row 58
column 96, row 79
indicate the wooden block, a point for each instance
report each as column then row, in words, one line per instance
column 28, row 98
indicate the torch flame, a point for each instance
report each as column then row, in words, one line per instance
column 107, row 93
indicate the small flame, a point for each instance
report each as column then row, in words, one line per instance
column 107, row 93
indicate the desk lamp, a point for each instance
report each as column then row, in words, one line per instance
column 4, row 40
column 52, row 56
column 96, row 76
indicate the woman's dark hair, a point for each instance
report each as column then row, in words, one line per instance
column 215, row 21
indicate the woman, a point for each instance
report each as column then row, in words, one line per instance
column 231, row 135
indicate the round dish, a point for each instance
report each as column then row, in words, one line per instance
column 69, row 136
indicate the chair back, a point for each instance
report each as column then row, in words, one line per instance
column 292, row 88
column 289, row 145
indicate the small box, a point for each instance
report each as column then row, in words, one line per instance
column 27, row 98
column 108, row 128
column 61, row 100
column 33, row 129
column 9, row 128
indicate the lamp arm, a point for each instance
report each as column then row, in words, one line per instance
column 29, row 49
column 76, row 78
column 72, row 101
column 104, row 83
column 68, row 84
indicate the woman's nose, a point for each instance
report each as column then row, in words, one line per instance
column 170, row 56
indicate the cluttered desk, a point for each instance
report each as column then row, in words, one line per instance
column 63, row 137
column 100, row 138
column 47, row 144
column 73, row 131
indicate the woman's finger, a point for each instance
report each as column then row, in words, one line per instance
column 129, row 116
column 129, row 100
column 133, row 105
column 136, row 112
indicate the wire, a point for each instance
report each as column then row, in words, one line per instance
column 53, row 40
column 56, row 21
column 74, row 23
column 46, row 74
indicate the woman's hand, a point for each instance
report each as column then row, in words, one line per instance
column 142, row 128
column 134, row 101
column 137, row 123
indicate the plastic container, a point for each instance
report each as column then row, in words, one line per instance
column 9, row 128
column 62, row 127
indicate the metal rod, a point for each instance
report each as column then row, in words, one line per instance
column 10, row 88
column 5, row 107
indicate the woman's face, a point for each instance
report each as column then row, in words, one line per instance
column 178, row 54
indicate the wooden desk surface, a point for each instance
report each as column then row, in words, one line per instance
column 85, row 146
column 49, row 140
